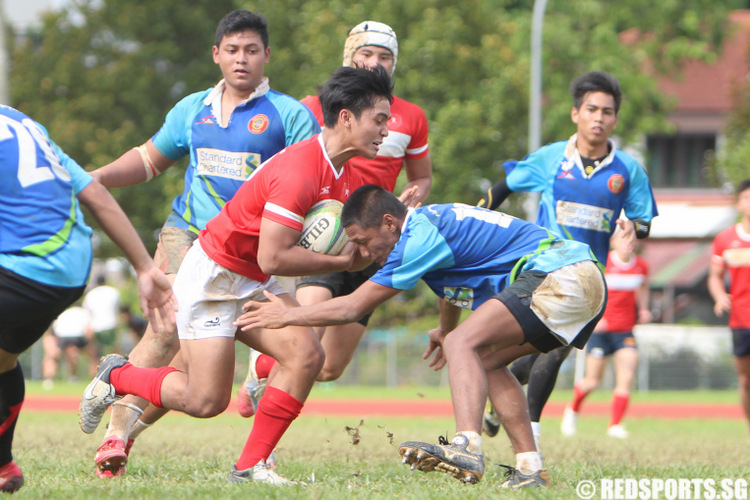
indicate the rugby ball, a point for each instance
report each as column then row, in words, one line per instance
column 322, row 231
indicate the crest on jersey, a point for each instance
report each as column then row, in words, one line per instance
column 616, row 183
column 258, row 124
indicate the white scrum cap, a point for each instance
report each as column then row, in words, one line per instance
column 370, row 33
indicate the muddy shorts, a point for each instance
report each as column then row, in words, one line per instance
column 174, row 242
column 558, row 308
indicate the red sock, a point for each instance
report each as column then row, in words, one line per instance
column 142, row 382
column 276, row 411
column 578, row 396
column 619, row 404
column 263, row 365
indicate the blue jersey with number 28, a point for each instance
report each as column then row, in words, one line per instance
column 42, row 233
column 467, row 255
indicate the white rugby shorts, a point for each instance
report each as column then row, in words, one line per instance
column 210, row 296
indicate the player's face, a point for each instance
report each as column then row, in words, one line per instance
column 370, row 55
column 242, row 59
column 375, row 243
column 596, row 119
column 743, row 203
column 369, row 130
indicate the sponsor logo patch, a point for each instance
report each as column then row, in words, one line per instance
column 459, row 296
column 211, row 323
column 571, row 214
column 206, row 120
column 226, row 164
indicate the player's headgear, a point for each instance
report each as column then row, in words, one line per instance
column 370, row 33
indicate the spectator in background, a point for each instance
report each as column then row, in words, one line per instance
column 135, row 327
column 731, row 252
column 103, row 303
column 71, row 333
column 627, row 282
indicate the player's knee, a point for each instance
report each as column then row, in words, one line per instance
column 206, row 407
column 315, row 359
column 330, row 373
column 306, row 361
column 453, row 344
column 744, row 382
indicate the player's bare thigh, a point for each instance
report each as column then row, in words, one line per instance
column 308, row 295
column 158, row 348
column 207, row 389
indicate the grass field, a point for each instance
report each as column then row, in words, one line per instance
column 182, row 457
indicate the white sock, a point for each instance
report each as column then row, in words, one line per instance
column 529, row 462
column 536, row 430
column 124, row 415
column 475, row 441
column 138, row 427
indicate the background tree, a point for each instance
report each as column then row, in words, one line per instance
column 731, row 164
column 102, row 74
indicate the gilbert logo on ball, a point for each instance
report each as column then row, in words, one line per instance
column 322, row 231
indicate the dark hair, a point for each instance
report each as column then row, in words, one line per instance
column 242, row 20
column 367, row 206
column 354, row 89
column 595, row 81
column 742, row 186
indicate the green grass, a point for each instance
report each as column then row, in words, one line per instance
column 333, row 390
column 182, row 457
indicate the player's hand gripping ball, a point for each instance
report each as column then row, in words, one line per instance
column 322, row 231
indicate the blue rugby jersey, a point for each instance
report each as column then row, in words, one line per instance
column 43, row 236
column 467, row 255
column 222, row 158
column 579, row 206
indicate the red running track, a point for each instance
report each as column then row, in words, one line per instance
column 432, row 408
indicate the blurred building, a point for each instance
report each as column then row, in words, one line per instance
column 694, row 205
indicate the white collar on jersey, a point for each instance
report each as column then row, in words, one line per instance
column 213, row 98
column 336, row 174
column 741, row 232
column 572, row 154
column 409, row 212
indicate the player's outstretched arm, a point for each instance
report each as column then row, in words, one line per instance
column 337, row 311
column 154, row 289
column 449, row 318
column 136, row 166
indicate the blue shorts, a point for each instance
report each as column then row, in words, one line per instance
column 601, row 345
column 741, row 342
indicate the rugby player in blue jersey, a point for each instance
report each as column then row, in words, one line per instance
column 530, row 291
column 585, row 185
column 227, row 131
column 45, row 256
